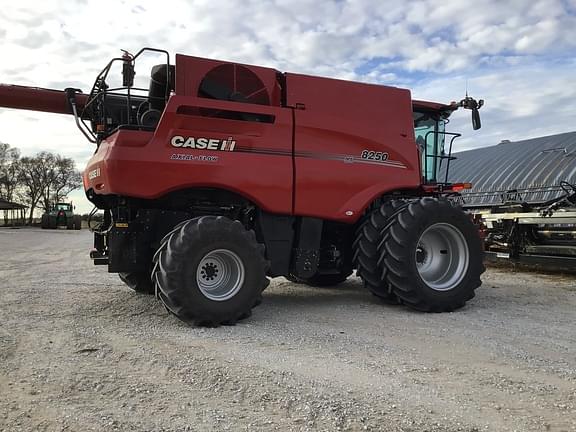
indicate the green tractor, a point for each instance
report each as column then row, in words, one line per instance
column 61, row 215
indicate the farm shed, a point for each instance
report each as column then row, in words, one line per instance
column 528, row 170
column 13, row 213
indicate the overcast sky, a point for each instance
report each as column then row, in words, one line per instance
column 518, row 55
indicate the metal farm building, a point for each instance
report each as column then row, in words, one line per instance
column 528, row 170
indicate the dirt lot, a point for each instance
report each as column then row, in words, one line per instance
column 81, row 352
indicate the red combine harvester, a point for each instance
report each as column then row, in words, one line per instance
column 220, row 175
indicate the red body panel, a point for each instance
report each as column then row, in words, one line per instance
column 339, row 121
column 141, row 165
column 307, row 161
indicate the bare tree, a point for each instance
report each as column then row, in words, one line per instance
column 9, row 158
column 46, row 178
column 61, row 179
column 31, row 176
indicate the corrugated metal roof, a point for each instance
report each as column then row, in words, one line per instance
column 532, row 168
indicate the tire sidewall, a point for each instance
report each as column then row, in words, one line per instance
column 447, row 214
column 191, row 297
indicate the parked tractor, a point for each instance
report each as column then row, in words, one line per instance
column 61, row 215
column 219, row 176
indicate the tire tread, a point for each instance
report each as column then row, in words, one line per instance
column 171, row 256
column 394, row 258
column 366, row 254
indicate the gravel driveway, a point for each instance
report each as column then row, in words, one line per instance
column 81, row 352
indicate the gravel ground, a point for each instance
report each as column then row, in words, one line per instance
column 81, row 352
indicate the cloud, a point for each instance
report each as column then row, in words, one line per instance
column 35, row 39
column 522, row 102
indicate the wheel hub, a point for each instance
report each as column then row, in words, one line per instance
column 220, row 274
column 421, row 255
column 209, row 271
column 442, row 256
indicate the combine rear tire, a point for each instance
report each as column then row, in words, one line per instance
column 138, row 281
column 366, row 254
column 431, row 255
column 210, row 270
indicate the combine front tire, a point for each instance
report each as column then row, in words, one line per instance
column 366, row 254
column 138, row 281
column 431, row 255
column 210, row 270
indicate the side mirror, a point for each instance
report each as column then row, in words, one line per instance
column 476, row 123
column 473, row 105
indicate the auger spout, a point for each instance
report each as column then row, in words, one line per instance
column 38, row 99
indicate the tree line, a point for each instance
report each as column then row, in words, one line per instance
column 36, row 181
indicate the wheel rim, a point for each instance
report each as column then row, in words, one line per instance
column 220, row 274
column 442, row 257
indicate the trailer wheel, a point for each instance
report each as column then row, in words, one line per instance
column 138, row 281
column 210, row 271
column 431, row 255
column 366, row 254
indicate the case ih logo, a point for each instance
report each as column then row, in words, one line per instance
column 93, row 174
column 203, row 143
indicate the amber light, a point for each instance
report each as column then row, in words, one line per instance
column 457, row 187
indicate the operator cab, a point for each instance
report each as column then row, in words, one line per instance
column 63, row 207
column 433, row 141
column 430, row 135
